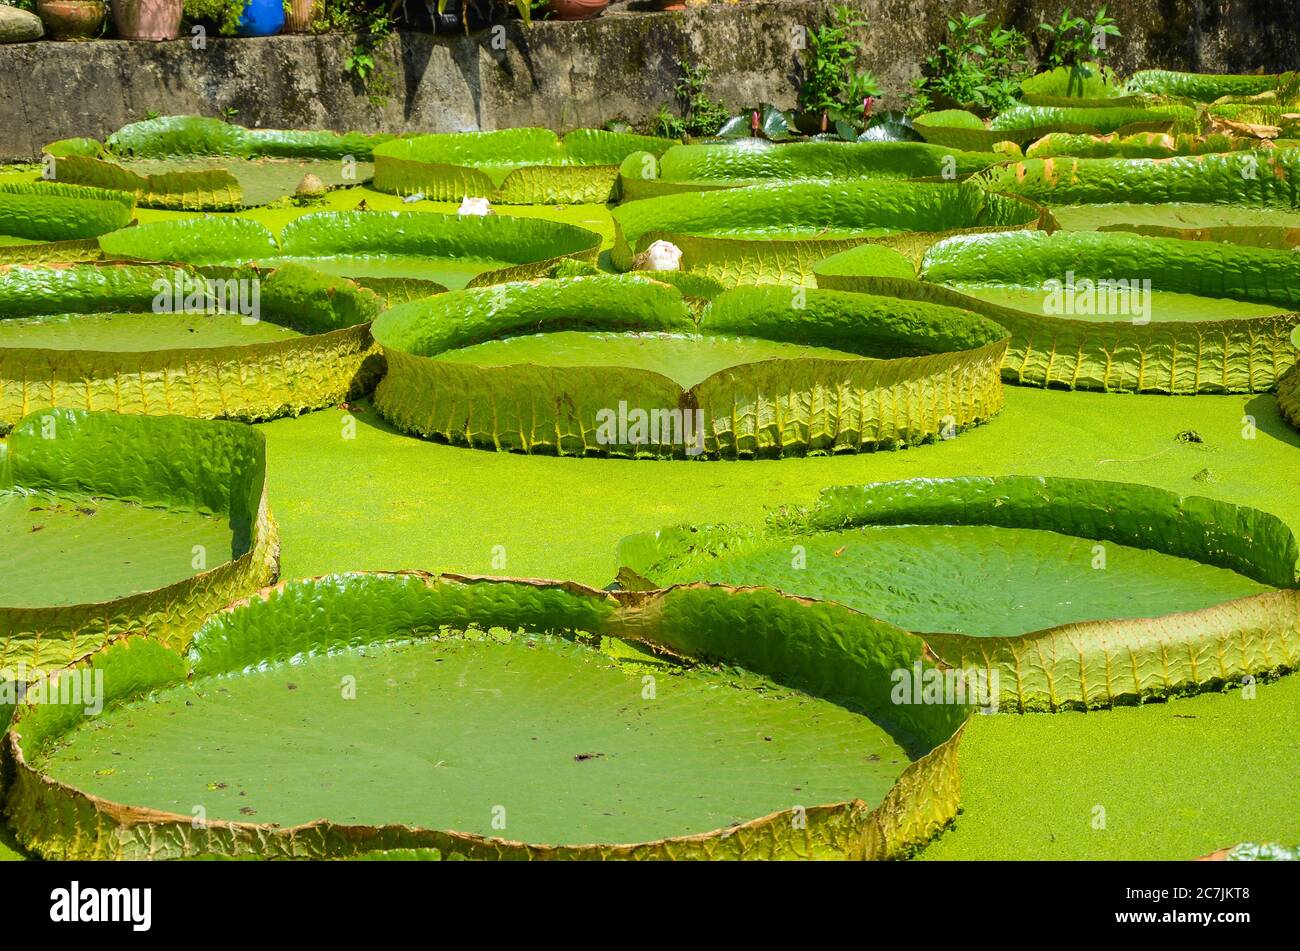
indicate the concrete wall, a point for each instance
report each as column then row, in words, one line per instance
column 562, row 75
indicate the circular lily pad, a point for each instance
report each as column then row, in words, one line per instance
column 1140, row 145
column 193, row 163
column 1109, row 311
column 1203, row 87
column 957, row 128
column 1288, row 395
column 774, row 233
column 1029, row 579
column 1085, row 593
column 707, row 166
column 162, row 340
column 454, row 701
column 687, row 359
column 1242, row 196
column 440, row 251
column 512, row 166
column 619, row 365
column 47, row 212
column 165, row 518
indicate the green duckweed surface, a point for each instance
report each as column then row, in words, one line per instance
column 455, row 733
column 686, row 359
column 1172, row 780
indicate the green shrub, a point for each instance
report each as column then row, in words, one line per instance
column 978, row 65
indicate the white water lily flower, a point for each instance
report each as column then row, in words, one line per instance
column 660, row 256
column 475, row 206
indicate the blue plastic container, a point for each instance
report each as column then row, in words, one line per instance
column 262, row 18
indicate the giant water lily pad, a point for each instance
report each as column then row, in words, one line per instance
column 513, row 166
column 618, row 365
column 775, row 233
column 1139, row 145
column 1109, row 311
column 956, row 128
column 1288, row 387
column 711, row 165
column 1039, row 120
column 1247, row 196
column 198, row 164
column 1203, row 87
column 1089, row 85
column 162, row 340
column 1087, row 593
column 454, row 698
column 165, row 519
column 48, row 212
column 372, row 247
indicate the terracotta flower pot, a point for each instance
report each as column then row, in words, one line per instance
column 298, row 18
column 71, row 19
column 576, row 9
column 148, row 19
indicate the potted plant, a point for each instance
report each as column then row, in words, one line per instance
column 71, row 19
column 465, row 16
column 239, row 17
column 261, row 18
column 834, row 91
column 147, row 19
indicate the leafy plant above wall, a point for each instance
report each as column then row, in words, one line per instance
column 224, row 13
column 980, row 65
column 833, row 87
column 523, row 7
column 1079, row 44
column 699, row 114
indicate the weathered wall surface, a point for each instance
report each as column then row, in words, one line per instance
column 561, row 75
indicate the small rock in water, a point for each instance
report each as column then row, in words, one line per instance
column 475, row 206
column 660, row 256
column 310, row 187
column 418, row 196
